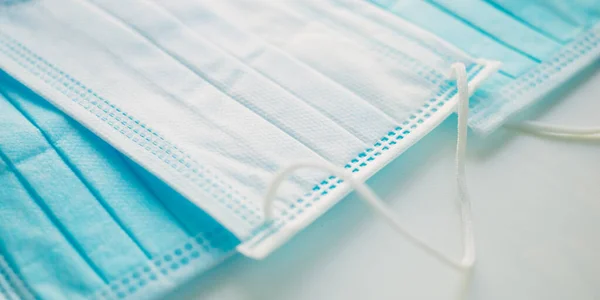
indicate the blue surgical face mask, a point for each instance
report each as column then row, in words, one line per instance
column 540, row 43
column 217, row 117
column 78, row 220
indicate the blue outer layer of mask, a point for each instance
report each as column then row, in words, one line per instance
column 541, row 43
column 78, row 220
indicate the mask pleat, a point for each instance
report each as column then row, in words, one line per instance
column 193, row 219
column 251, row 128
column 389, row 82
column 101, row 168
column 158, row 219
column 374, row 78
column 244, row 153
column 257, row 58
column 462, row 35
column 243, row 84
column 358, row 21
column 540, row 44
column 539, row 17
column 582, row 13
column 216, row 117
column 86, row 223
column 244, row 149
column 501, row 27
column 332, row 99
column 36, row 249
column 258, row 132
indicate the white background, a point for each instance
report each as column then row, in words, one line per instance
column 536, row 206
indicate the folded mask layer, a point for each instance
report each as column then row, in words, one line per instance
column 540, row 43
column 213, row 100
column 78, row 220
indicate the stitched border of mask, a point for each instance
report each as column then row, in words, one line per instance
column 157, row 152
column 536, row 83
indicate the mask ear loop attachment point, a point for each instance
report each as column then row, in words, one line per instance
column 383, row 210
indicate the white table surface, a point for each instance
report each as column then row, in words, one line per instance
column 536, row 206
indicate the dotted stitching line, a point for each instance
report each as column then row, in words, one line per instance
column 133, row 129
column 167, row 264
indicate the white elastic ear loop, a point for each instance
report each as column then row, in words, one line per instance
column 459, row 72
column 576, row 133
column 367, row 194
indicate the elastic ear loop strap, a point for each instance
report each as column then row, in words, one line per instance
column 576, row 133
column 459, row 73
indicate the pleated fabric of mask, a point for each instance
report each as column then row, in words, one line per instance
column 540, row 43
column 216, row 117
column 79, row 221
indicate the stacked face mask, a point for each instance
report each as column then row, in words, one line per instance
column 214, row 100
column 541, row 44
column 79, row 221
